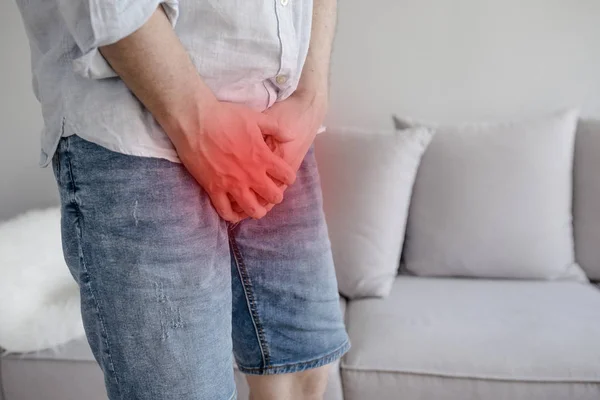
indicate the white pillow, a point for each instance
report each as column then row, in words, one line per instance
column 39, row 300
column 587, row 197
column 494, row 201
column 367, row 179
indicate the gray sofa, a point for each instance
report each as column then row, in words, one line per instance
column 431, row 338
column 413, row 345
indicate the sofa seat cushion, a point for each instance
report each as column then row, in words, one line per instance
column 68, row 372
column 438, row 330
column 75, row 350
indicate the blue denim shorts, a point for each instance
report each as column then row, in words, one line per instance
column 171, row 293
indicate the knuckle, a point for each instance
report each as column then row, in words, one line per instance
column 235, row 191
column 277, row 197
column 274, row 162
column 212, row 187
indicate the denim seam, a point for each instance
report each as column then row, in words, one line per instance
column 87, row 281
column 56, row 161
column 250, row 300
column 234, row 395
column 301, row 366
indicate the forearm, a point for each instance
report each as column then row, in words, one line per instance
column 314, row 81
column 156, row 68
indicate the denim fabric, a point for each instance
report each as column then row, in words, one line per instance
column 168, row 289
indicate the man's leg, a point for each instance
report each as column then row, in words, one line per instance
column 152, row 261
column 305, row 385
column 287, row 322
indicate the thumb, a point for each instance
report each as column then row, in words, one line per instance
column 270, row 127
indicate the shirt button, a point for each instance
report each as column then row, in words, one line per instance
column 284, row 2
column 281, row 79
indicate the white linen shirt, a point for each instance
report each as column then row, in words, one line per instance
column 249, row 52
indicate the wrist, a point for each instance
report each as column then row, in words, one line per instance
column 183, row 119
column 316, row 100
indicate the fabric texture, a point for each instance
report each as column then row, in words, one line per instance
column 97, row 23
column 51, row 379
column 495, row 201
column 80, row 95
column 39, row 302
column 586, row 197
column 383, row 385
column 334, row 383
column 432, row 330
column 367, row 184
column 156, row 266
column 75, row 360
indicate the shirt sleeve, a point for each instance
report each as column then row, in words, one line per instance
column 96, row 23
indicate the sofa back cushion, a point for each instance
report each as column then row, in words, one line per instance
column 367, row 180
column 586, row 197
column 495, row 201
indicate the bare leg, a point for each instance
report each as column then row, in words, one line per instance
column 305, row 385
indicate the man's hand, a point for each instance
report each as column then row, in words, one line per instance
column 301, row 115
column 227, row 155
column 221, row 144
column 304, row 111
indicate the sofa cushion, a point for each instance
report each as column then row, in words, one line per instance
column 586, row 207
column 367, row 179
column 381, row 385
column 466, row 332
column 494, row 201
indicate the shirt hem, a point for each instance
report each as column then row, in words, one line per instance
column 169, row 155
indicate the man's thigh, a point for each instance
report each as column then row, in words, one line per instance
column 152, row 261
column 286, row 313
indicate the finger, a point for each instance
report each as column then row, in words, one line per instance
column 268, row 190
column 272, row 144
column 279, row 169
column 234, row 205
column 248, row 202
column 269, row 126
column 270, row 206
column 222, row 205
column 262, row 201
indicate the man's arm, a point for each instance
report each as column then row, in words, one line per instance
column 304, row 111
column 314, row 81
column 221, row 144
column 157, row 69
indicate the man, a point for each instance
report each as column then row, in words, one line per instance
column 180, row 135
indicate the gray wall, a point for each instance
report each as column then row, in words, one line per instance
column 23, row 185
column 464, row 59
column 430, row 59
